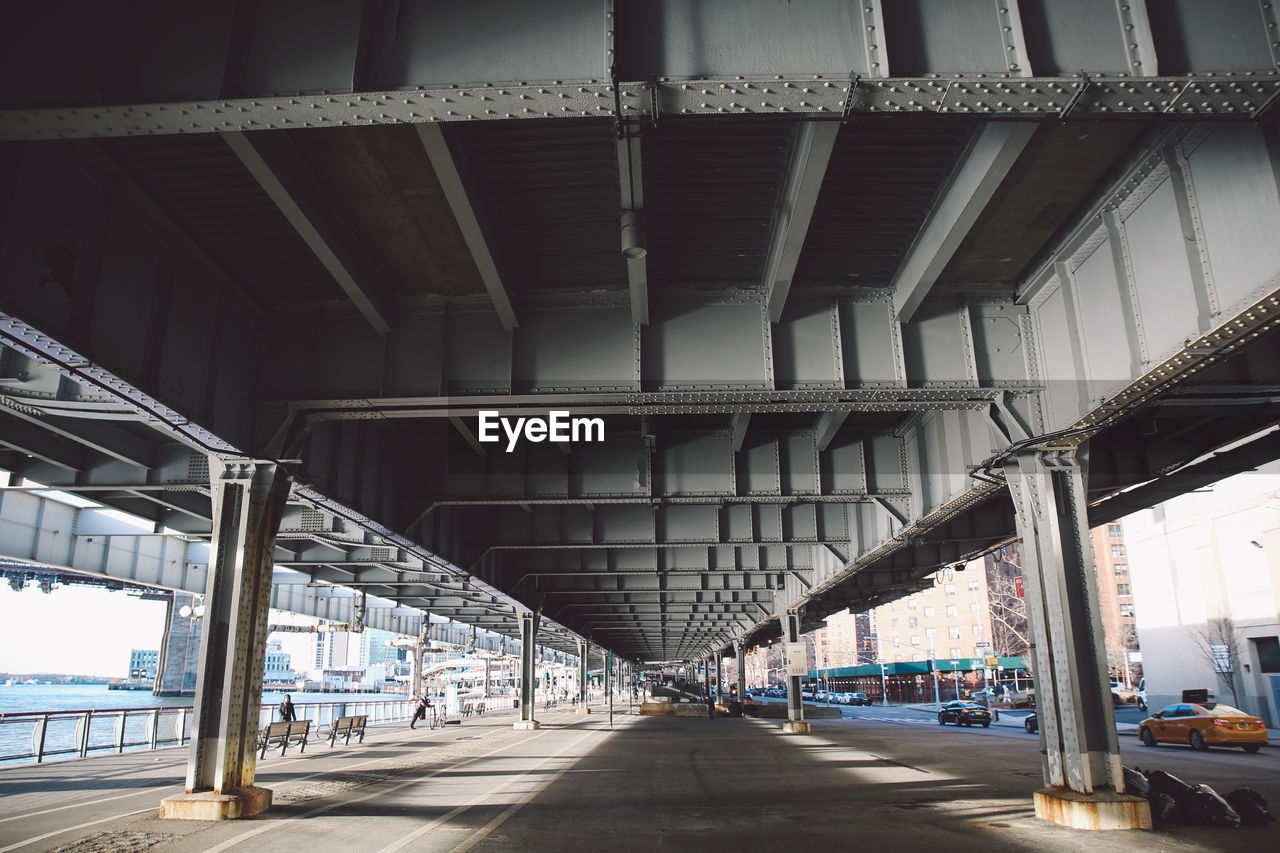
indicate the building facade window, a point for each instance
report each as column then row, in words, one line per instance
column 928, row 611
column 973, row 608
column 1117, row 550
column 955, row 653
column 1114, row 530
column 1126, row 609
column 954, row 633
column 912, row 604
column 913, row 622
column 915, row 641
column 974, row 585
column 1122, row 589
column 951, row 589
column 977, row 630
column 952, row 611
column 1122, row 569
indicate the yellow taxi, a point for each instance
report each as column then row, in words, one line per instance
column 1204, row 725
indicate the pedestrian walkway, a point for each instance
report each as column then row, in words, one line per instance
column 578, row 783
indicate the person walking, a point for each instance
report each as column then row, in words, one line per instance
column 287, row 712
column 711, row 707
column 420, row 712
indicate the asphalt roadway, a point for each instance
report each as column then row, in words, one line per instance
column 883, row 779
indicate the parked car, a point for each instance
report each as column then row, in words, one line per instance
column 1031, row 723
column 1201, row 726
column 859, row 699
column 964, row 714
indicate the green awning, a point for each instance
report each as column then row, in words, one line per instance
column 916, row 667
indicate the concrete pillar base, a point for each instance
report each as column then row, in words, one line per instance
column 795, row 727
column 526, row 725
column 207, row 805
column 581, row 711
column 1103, row 809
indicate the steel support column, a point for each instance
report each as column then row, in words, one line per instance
column 528, row 668
column 741, row 649
column 248, row 501
column 584, row 651
column 795, row 708
column 1073, row 699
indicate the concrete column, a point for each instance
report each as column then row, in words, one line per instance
column 584, row 651
column 179, row 662
column 528, row 669
column 488, row 666
column 741, row 649
column 1073, row 697
column 248, row 500
column 795, row 723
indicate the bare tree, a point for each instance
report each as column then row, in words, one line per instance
column 1218, row 642
column 1009, row 633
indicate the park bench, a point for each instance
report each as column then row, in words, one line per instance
column 284, row 735
column 468, row 709
column 345, row 727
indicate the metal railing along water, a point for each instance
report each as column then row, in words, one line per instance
column 39, row 735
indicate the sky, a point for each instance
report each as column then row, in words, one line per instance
column 75, row 630
column 81, row 630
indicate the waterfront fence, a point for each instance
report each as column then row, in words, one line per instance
column 39, row 735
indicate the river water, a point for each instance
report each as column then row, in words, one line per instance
column 20, row 734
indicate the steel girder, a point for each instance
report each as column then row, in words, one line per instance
column 277, row 67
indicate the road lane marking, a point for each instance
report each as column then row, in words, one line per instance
column 27, row 841
column 481, row 798
column 269, row 825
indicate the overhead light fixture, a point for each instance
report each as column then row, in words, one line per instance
column 633, row 247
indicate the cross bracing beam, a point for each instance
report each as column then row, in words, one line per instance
column 279, row 169
column 487, row 259
column 809, row 157
column 982, row 168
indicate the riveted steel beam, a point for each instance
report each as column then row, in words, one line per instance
column 1238, row 95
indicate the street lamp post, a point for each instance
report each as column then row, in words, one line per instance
column 933, row 665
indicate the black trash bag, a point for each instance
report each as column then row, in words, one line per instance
column 1251, row 806
column 1163, row 809
column 1207, row 807
column 1135, row 782
column 1166, row 783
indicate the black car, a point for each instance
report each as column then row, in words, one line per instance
column 1031, row 723
column 964, row 714
column 859, row 699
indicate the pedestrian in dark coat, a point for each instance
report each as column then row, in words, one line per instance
column 287, row 712
column 420, row 712
column 711, row 707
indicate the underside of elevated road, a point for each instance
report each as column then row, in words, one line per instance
column 840, row 294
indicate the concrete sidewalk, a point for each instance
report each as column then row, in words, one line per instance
column 646, row 783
